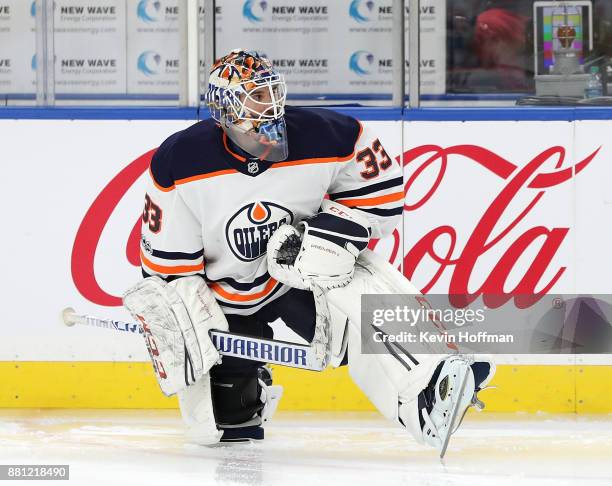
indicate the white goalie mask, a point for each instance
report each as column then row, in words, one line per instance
column 247, row 97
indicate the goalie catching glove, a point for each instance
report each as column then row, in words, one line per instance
column 321, row 251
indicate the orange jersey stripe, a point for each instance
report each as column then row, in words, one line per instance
column 274, row 166
column 324, row 160
column 233, row 154
column 206, row 176
column 321, row 160
column 215, row 287
column 161, row 188
column 372, row 201
column 358, row 136
column 170, row 270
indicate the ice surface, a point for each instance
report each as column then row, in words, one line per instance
column 147, row 448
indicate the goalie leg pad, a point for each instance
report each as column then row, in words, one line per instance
column 397, row 383
column 338, row 335
column 176, row 318
column 195, row 403
column 381, row 377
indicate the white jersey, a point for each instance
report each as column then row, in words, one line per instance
column 211, row 211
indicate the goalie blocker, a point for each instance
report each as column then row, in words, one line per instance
column 428, row 397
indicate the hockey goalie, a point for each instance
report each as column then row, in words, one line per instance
column 264, row 211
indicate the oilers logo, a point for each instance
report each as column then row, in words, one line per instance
column 249, row 229
column 361, row 62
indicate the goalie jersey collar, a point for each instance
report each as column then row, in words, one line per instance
column 240, row 161
column 314, row 135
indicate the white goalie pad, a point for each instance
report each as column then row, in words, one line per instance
column 195, row 403
column 381, row 377
column 176, row 318
column 391, row 381
column 384, row 378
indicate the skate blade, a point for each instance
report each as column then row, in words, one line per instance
column 453, row 416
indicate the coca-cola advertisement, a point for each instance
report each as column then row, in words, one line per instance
column 511, row 210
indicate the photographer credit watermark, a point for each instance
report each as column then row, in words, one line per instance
column 555, row 324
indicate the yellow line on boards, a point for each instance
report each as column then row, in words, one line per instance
column 519, row 388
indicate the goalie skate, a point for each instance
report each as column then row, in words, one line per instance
column 443, row 404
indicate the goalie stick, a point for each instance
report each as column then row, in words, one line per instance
column 270, row 351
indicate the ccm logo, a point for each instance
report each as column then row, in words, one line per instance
column 339, row 211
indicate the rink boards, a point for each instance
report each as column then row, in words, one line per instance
column 83, row 384
column 78, row 185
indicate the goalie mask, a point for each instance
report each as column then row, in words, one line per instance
column 247, row 97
